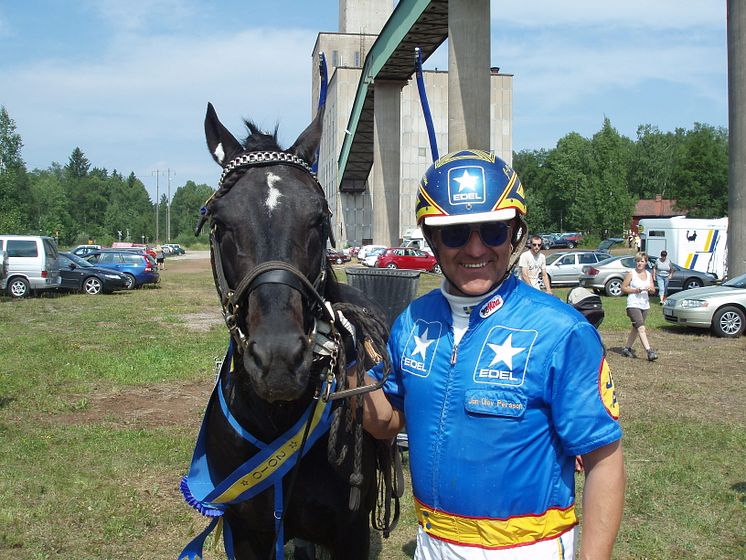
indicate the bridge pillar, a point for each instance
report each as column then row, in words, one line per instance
column 469, row 75
column 385, row 180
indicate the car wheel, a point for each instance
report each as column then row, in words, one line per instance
column 437, row 269
column 339, row 260
column 391, row 265
column 693, row 283
column 613, row 287
column 572, row 245
column 93, row 286
column 18, row 288
column 131, row 282
column 728, row 322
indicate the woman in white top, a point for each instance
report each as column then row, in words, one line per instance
column 638, row 285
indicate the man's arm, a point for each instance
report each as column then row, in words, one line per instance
column 380, row 419
column 603, row 501
column 547, row 283
column 524, row 275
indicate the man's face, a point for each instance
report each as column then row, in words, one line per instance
column 536, row 245
column 475, row 267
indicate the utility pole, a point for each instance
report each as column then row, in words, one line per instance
column 157, row 173
column 168, row 206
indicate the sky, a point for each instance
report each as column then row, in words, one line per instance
column 128, row 82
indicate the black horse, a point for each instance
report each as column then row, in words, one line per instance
column 269, row 227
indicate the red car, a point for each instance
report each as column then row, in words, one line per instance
column 408, row 258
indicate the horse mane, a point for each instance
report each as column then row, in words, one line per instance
column 259, row 140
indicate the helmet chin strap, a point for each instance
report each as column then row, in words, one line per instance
column 520, row 230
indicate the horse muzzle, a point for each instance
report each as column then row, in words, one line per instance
column 278, row 365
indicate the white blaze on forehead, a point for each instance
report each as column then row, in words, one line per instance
column 274, row 194
column 219, row 153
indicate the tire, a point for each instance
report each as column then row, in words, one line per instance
column 692, row 283
column 18, row 288
column 728, row 322
column 613, row 287
column 92, row 286
column 436, row 269
column 572, row 245
column 339, row 260
column 391, row 265
column 131, row 282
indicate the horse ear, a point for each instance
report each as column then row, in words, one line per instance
column 307, row 145
column 222, row 144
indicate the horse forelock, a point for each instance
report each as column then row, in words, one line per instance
column 259, row 140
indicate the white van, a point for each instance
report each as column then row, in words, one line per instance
column 32, row 264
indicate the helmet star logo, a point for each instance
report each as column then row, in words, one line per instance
column 504, row 352
column 421, row 345
column 466, row 181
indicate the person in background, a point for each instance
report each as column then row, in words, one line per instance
column 160, row 258
column 638, row 285
column 663, row 274
column 501, row 385
column 533, row 263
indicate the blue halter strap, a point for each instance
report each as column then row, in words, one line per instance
column 266, row 468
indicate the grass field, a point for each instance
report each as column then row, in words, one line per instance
column 101, row 397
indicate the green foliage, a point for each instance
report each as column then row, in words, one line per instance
column 593, row 185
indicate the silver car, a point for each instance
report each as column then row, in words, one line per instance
column 722, row 309
column 607, row 276
column 564, row 269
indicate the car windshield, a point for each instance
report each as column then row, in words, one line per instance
column 76, row 259
column 737, row 282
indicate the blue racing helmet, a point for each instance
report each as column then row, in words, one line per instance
column 469, row 186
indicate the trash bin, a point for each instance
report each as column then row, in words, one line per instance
column 390, row 288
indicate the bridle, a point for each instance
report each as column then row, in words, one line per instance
column 234, row 300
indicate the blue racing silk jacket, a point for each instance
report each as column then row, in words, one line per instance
column 495, row 423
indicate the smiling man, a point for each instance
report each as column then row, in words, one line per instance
column 501, row 385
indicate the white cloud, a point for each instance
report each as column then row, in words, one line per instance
column 646, row 14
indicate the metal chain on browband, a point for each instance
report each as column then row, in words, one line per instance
column 263, row 158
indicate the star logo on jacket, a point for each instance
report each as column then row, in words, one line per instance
column 421, row 348
column 504, row 357
column 466, row 185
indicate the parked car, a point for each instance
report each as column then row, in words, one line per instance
column 608, row 243
column 407, row 258
column 366, row 249
column 722, row 309
column 77, row 274
column 139, row 268
column 686, row 278
column 173, row 249
column 32, row 264
column 607, row 276
column 372, row 256
column 564, row 269
column 83, row 250
column 3, row 265
column 336, row 257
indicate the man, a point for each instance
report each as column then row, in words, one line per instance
column 532, row 263
column 502, row 387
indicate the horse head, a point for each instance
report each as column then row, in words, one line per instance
column 269, row 225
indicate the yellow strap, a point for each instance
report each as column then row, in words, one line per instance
column 275, row 461
column 495, row 533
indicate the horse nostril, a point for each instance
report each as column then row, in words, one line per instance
column 256, row 354
column 297, row 352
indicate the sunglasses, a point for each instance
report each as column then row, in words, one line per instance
column 535, row 244
column 492, row 234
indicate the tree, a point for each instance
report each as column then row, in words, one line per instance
column 185, row 208
column 530, row 167
column 13, row 178
column 612, row 202
column 701, row 176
